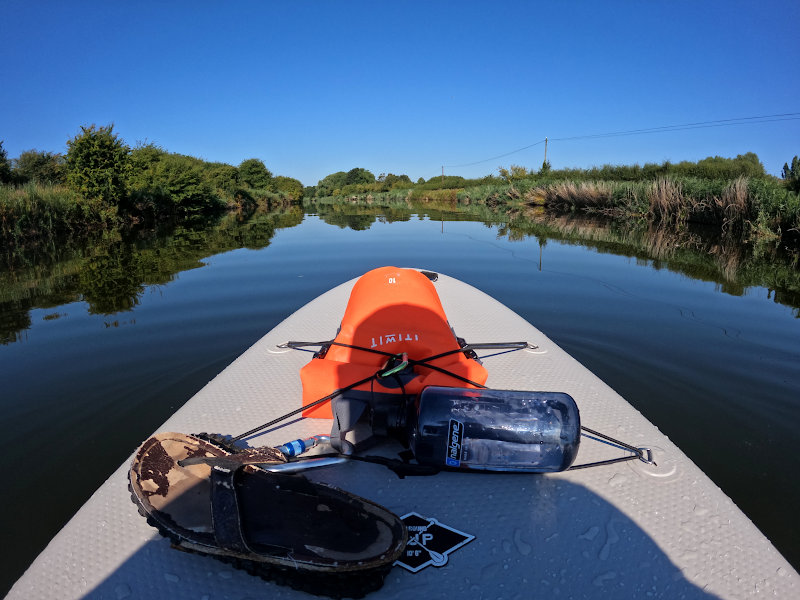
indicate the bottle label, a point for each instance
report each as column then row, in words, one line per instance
column 455, row 434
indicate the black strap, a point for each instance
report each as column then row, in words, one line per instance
column 403, row 468
column 425, row 362
column 638, row 453
column 225, row 508
column 463, row 347
column 330, row 396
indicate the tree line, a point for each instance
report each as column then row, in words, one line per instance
column 360, row 181
column 356, row 181
column 735, row 194
column 710, row 168
column 101, row 181
column 147, row 178
column 144, row 182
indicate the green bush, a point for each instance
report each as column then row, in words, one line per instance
column 97, row 166
column 777, row 208
column 447, row 182
column 392, row 181
column 359, row 175
column 253, row 174
column 174, row 184
column 143, row 158
column 39, row 167
column 355, row 181
column 289, row 187
column 330, row 183
column 221, row 176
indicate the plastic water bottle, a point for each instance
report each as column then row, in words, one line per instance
column 495, row 430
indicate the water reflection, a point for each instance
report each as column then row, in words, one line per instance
column 733, row 264
column 359, row 217
column 111, row 272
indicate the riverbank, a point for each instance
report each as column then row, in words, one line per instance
column 37, row 211
column 34, row 215
column 103, row 184
column 757, row 208
column 743, row 210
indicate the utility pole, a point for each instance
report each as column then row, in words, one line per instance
column 442, row 174
column 545, row 150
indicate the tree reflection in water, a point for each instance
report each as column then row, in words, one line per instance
column 110, row 272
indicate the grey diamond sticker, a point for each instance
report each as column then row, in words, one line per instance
column 429, row 543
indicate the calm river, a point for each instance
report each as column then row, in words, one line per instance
column 99, row 344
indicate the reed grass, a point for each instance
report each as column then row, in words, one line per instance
column 588, row 196
column 742, row 206
column 35, row 210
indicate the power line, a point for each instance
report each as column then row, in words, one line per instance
column 494, row 157
column 700, row 125
column 666, row 128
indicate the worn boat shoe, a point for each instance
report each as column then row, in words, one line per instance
column 284, row 528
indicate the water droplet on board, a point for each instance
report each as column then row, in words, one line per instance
column 172, row 578
column 490, row 570
column 590, row 533
column 600, row 580
column 523, row 547
column 612, row 539
column 122, row 591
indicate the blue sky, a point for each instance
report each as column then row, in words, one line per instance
column 312, row 88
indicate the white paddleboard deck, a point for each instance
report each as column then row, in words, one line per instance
column 629, row 530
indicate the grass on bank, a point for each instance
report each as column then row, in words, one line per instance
column 746, row 206
column 743, row 206
column 35, row 210
column 751, row 207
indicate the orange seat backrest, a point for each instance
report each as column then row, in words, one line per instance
column 392, row 310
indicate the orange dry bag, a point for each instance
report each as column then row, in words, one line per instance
column 396, row 311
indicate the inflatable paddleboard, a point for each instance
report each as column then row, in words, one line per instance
column 656, row 528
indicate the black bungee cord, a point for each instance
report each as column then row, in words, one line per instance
column 398, row 362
